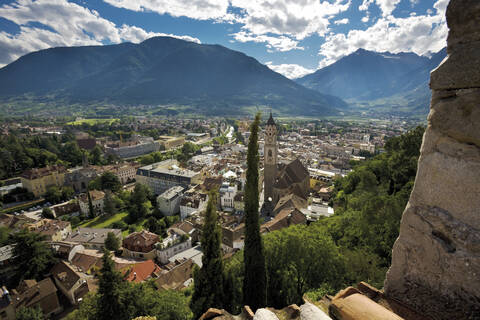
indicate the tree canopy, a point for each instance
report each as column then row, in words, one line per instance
column 255, row 280
column 33, row 257
column 208, row 281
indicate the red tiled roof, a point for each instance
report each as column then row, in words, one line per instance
column 141, row 271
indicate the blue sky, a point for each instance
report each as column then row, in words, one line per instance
column 293, row 37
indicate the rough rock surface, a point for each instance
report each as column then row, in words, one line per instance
column 309, row 311
column 264, row 314
column 436, row 259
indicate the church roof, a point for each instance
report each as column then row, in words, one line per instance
column 293, row 172
column 270, row 121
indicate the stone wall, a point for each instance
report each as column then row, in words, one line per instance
column 436, row 259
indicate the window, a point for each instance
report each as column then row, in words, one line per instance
column 270, row 152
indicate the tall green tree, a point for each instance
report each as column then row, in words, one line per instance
column 109, row 181
column 32, row 255
column 96, row 156
column 255, row 280
column 208, row 281
column 139, row 204
column 109, row 205
column 112, row 242
column 110, row 304
column 91, row 210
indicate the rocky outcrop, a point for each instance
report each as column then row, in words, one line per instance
column 436, row 259
column 307, row 311
column 264, row 314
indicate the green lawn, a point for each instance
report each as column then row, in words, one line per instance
column 92, row 121
column 103, row 221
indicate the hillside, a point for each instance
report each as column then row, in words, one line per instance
column 160, row 71
column 386, row 82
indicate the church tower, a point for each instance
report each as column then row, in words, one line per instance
column 270, row 158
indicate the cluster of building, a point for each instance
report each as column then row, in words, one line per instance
column 296, row 174
column 143, row 255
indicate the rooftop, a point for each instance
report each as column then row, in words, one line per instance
column 172, row 192
column 91, row 235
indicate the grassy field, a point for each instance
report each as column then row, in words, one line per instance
column 103, row 221
column 92, row 121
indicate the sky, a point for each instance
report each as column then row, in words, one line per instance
column 292, row 37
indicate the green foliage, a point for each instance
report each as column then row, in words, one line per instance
column 233, row 283
column 91, row 210
column 32, row 255
column 112, row 243
column 139, row 205
column 109, row 181
column 56, row 194
column 110, row 304
column 255, row 280
column 188, row 151
column 109, row 205
column 47, row 213
column 370, row 200
column 72, row 153
column 24, row 313
column 4, row 236
column 118, row 299
column 353, row 245
column 53, row 195
column 96, row 156
column 208, row 281
column 300, row 259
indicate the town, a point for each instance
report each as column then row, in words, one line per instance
column 139, row 187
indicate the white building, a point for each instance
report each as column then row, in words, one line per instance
column 164, row 175
column 191, row 203
column 227, row 197
column 171, row 246
column 169, row 202
column 97, row 202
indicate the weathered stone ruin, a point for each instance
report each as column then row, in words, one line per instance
column 436, row 259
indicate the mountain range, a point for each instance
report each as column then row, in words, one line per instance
column 162, row 72
column 395, row 83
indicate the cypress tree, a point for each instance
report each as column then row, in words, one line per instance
column 91, row 211
column 208, row 281
column 110, row 304
column 255, row 281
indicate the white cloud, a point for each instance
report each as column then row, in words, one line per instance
column 386, row 6
column 195, row 9
column 67, row 24
column 295, row 18
column 275, row 22
column 342, row 21
column 420, row 34
column 291, row 71
column 281, row 43
column 365, row 19
column 135, row 34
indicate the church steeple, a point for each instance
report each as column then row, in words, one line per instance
column 270, row 121
column 270, row 158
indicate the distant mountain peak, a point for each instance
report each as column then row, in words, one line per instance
column 164, row 73
column 367, row 76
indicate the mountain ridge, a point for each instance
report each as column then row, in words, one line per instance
column 378, row 79
column 160, row 71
